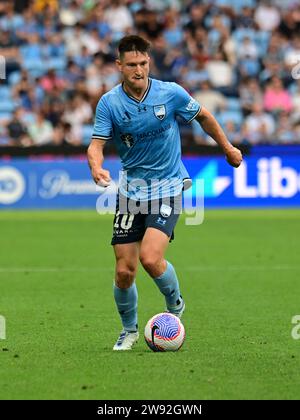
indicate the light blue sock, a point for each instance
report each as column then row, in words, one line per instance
column 126, row 301
column 168, row 284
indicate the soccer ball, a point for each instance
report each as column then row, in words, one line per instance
column 164, row 332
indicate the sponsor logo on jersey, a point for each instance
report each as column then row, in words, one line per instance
column 161, row 221
column 153, row 133
column 192, row 105
column 142, row 109
column 127, row 138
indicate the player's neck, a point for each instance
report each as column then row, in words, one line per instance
column 136, row 93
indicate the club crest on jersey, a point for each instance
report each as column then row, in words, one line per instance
column 165, row 210
column 159, row 111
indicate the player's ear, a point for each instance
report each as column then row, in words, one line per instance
column 119, row 64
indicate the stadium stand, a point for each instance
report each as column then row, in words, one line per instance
column 239, row 55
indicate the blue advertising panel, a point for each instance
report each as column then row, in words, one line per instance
column 271, row 181
column 261, row 181
column 63, row 183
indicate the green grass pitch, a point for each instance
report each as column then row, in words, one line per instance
column 239, row 274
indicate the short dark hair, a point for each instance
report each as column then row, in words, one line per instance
column 133, row 43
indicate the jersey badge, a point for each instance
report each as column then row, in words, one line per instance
column 159, row 111
column 165, row 210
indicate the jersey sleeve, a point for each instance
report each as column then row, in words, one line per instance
column 185, row 106
column 103, row 124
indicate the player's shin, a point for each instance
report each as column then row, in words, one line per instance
column 168, row 284
column 126, row 301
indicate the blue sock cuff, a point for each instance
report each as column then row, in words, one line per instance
column 126, row 301
column 168, row 284
column 169, row 270
column 128, row 289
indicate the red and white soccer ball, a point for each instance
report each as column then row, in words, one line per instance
column 164, row 332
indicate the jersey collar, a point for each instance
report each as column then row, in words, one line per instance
column 143, row 97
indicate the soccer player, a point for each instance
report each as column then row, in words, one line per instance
column 139, row 115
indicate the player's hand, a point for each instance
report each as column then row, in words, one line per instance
column 234, row 156
column 101, row 177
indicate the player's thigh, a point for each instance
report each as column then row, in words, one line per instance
column 127, row 256
column 153, row 246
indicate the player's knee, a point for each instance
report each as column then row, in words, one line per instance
column 124, row 277
column 151, row 263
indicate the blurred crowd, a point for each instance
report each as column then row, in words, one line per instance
column 239, row 58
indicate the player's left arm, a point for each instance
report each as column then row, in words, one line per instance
column 211, row 126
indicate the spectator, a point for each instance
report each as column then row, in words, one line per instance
column 17, row 131
column 41, row 131
column 79, row 111
column 259, row 126
column 74, row 39
column 239, row 49
column 64, row 134
column 147, row 22
column 233, row 133
column 250, row 94
column 221, row 73
column 51, row 81
column 289, row 25
column 245, row 18
column 213, row 100
column 194, row 73
column 284, row 130
column 93, row 42
column 172, row 32
column 118, row 17
column 247, row 49
column 197, row 15
column 71, row 14
column 267, row 16
column 29, row 26
column 276, row 98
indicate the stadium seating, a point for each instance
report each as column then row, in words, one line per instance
column 181, row 53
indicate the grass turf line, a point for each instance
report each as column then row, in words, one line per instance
column 239, row 276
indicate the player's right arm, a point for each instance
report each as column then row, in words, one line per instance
column 102, row 133
column 190, row 109
column 211, row 126
column 95, row 158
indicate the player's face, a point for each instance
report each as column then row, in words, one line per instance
column 134, row 67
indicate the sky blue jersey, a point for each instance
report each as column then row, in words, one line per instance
column 147, row 137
